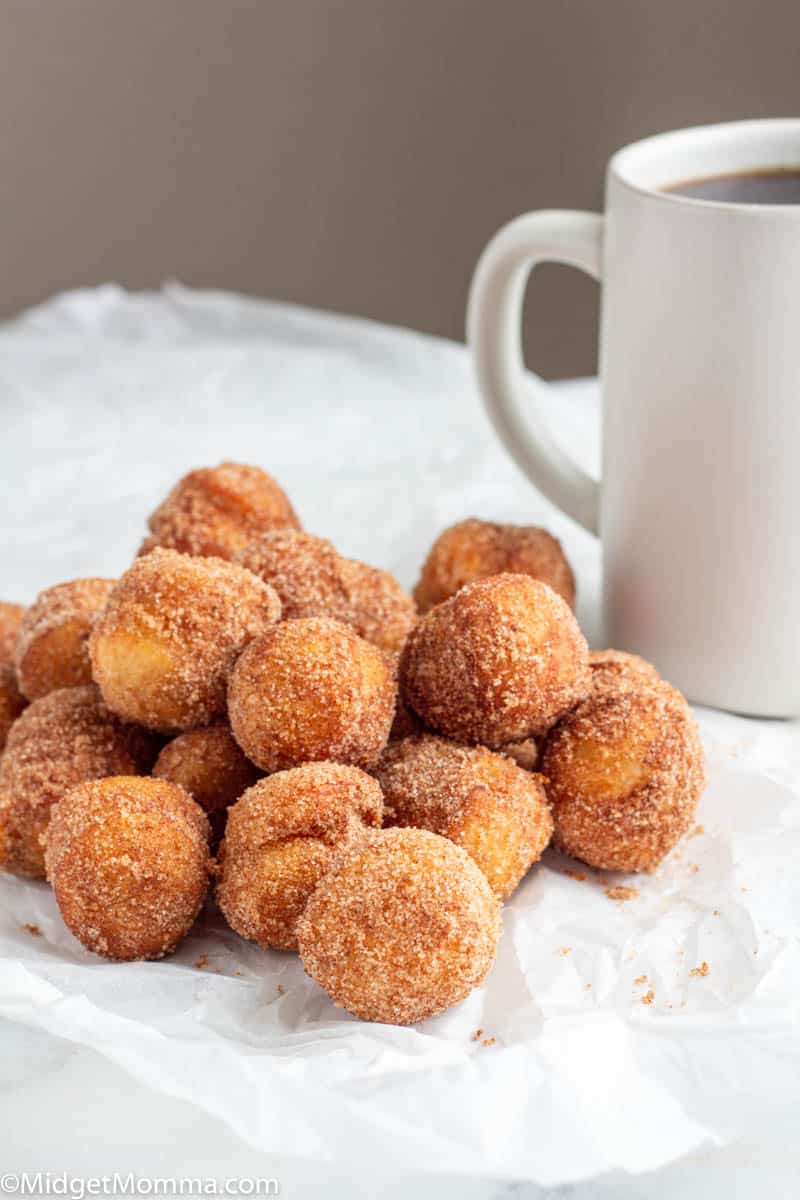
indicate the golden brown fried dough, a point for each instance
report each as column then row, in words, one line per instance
column 482, row 801
column 67, row 737
column 170, row 634
column 403, row 926
column 475, row 549
column 52, row 649
column 209, row 765
column 129, row 863
column 378, row 608
column 616, row 666
column 311, row 691
column 280, row 840
column 499, row 662
column 624, row 773
column 314, row 580
column 216, row 511
column 11, row 616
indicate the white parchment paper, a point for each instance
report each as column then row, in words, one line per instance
column 613, row 1032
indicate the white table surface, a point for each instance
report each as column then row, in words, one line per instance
column 64, row 1107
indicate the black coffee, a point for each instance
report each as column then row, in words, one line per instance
column 777, row 186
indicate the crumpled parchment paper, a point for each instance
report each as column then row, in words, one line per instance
column 612, row 1032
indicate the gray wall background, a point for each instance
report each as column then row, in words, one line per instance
column 350, row 154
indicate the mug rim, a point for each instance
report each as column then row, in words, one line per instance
column 641, row 167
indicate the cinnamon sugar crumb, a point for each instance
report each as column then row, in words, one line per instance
column 641, row 979
column 648, row 997
column 702, row 970
column 694, row 868
column 281, row 990
column 579, row 875
column 621, row 892
column 698, row 831
column 490, row 1041
column 33, row 930
column 565, row 950
column 202, row 962
column 477, row 1035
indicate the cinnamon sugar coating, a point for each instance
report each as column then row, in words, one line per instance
column 280, row 840
column 618, row 666
column 174, row 625
column 208, row 764
column 378, row 608
column 624, row 773
column 302, row 568
column 314, row 580
column 499, row 662
column 403, row 926
column 65, row 738
column 11, row 616
column 129, row 863
column 52, row 649
column 216, row 511
column 475, row 549
column 12, row 702
column 480, row 800
column 309, row 691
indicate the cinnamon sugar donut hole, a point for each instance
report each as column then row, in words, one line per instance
column 480, row 800
column 216, row 511
column 208, row 764
column 12, row 702
column 403, row 926
column 624, row 773
column 617, row 666
column 302, row 568
column 378, row 608
column 52, row 649
column 11, row 616
column 314, row 580
column 280, row 840
column 475, row 549
column 499, row 662
column 129, row 863
column 65, row 738
column 173, row 628
column 308, row 691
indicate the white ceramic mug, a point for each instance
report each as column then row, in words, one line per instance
column 699, row 504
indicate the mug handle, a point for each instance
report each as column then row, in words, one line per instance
column 494, row 322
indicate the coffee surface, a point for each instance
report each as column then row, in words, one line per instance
column 776, row 186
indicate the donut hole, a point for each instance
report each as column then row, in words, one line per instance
column 266, row 892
